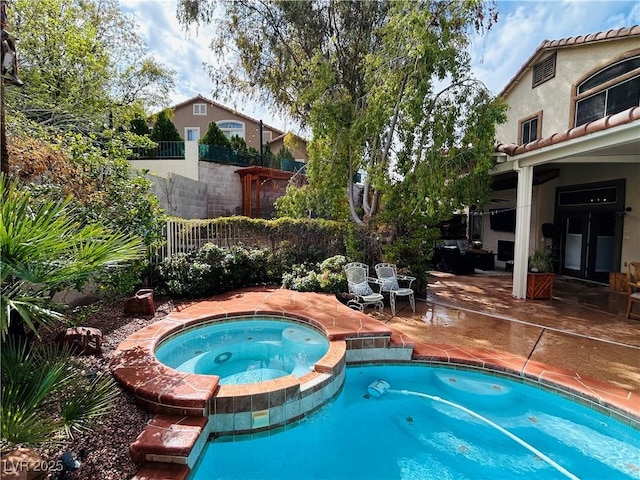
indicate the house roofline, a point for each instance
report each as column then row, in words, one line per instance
column 224, row 107
column 610, row 121
column 568, row 42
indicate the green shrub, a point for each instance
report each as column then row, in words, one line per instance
column 212, row 270
column 326, row 276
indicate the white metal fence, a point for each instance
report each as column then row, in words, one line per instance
column 187, row 235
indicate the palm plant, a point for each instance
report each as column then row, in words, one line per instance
column 44, row 249
column 44, row 397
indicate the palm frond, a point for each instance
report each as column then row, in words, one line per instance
column 44, row 248
column 89, row 403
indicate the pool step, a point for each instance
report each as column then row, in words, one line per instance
column 170, row 439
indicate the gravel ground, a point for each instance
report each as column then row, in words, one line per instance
column 104, row 451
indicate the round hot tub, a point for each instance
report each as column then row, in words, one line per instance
column 243, row 350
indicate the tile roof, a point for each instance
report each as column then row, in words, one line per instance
column 627, row 116
column 547, row 45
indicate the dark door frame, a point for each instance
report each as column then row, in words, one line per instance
column 582, row 200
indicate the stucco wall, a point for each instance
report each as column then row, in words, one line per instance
column 185, row 167
column 554, row 97
column 184, row 118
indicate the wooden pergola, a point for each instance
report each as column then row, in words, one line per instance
column 253, row 179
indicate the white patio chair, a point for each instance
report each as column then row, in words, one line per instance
column 359, row 281
column 388, row 276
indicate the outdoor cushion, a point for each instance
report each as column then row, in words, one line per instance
column 361, row 289
column 389, row 283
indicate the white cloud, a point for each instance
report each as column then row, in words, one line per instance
column 523, row 25
column 496, row 57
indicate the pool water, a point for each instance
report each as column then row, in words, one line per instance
column 469, row 426
column 245, row 351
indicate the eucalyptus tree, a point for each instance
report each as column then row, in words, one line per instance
column 83, row 61
column 385, row 88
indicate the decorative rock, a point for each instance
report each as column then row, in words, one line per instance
column 83, row 340
column 141, row 303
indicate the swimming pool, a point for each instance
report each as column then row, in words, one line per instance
column 243, row 350
column 433, row 423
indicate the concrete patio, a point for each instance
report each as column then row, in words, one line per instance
column 581, row 329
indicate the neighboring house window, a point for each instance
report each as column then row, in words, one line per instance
column 192, row 134
column 199, row 108
column 530, row 129
column 231, row 128
column 266, row 137
column 545, row 70
column 608, row 91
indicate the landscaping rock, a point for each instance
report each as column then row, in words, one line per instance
column 82, row 340
column 141, row 303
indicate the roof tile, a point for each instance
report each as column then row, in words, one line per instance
column 627, row 116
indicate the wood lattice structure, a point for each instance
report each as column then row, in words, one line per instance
column 260, row 187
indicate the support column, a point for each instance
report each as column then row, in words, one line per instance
column 523, row 228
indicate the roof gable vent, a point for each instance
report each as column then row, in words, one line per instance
column 545, row 70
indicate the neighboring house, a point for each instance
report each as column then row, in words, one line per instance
column 193, row 116
column 568, row 159
column 190, row 184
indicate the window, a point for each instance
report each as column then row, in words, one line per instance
column 199, row 108
column 231, row 128
column 192, row 134
column 266, row 137
column 608, row 91
column 545, row 70
column 530, row 129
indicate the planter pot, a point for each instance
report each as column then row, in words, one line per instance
column 539, row 285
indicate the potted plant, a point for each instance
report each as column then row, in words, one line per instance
column 540, row 276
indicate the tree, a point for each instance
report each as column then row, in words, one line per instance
column 83, row 61
column 164, row 130
column 214, row 136
column 44, row 249
column 239, row 145
column 385, row 88
column 139, row 126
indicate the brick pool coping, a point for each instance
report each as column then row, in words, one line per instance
column 176, row 396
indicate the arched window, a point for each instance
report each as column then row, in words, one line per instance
column 611, row 90
column 231, row 128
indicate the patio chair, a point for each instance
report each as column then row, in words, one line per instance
column 388, row 275
column 633, row 288
column 358, row 280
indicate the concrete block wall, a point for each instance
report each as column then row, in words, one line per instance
column 181, row 196
column 224, row 194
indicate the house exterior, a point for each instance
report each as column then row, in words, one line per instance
column 567, row 174
column 194, row 182
column 193, row 116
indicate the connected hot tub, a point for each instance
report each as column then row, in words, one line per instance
column 243, row 350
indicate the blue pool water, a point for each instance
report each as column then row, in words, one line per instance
column 245, row 351
column 453, row 435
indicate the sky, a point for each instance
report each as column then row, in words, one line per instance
column 496, row 56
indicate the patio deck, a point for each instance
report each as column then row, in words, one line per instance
column 582, row 329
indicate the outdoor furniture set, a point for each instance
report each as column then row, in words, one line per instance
column 387, row 282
